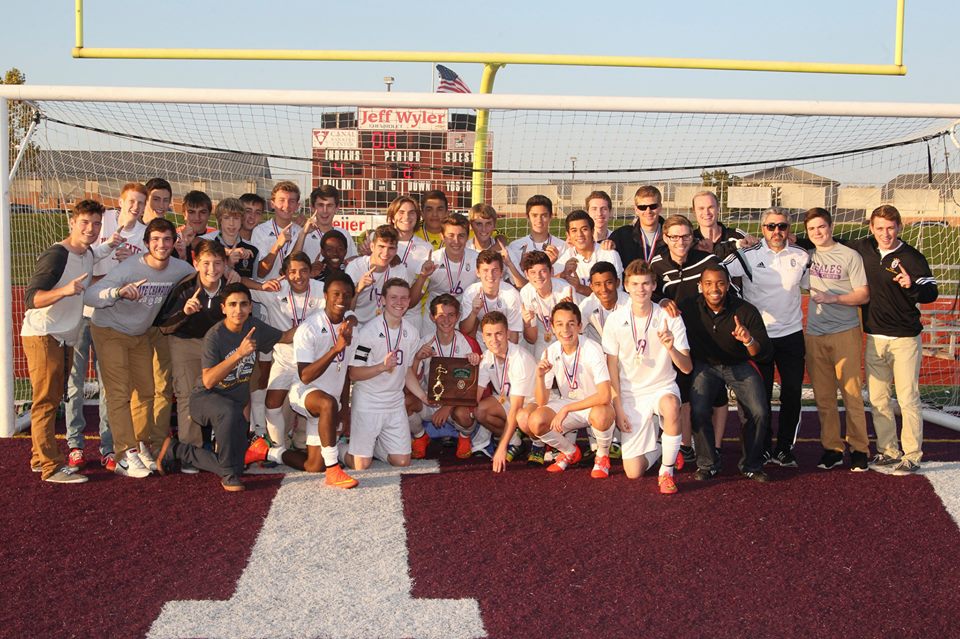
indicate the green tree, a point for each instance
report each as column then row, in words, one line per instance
column 718, row 181
column 21, row 115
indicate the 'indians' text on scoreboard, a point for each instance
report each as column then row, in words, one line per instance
column 375, row 155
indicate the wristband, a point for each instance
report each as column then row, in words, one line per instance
column 750, row 342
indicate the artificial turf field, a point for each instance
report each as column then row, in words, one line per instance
column 447, row 549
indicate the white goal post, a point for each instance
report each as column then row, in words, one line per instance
column 223, row 99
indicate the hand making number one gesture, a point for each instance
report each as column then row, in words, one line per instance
column 740, row 332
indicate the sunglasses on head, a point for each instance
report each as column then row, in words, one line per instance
column 644, row 207
column 779, row 226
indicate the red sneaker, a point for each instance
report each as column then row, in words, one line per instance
column 418, row 447
column 565, row 460
column 601, row 467
column 464, row 447
column 667, row 485
column 76, row 460
column 679, row 463
column 109, row 462
column 336, row 477
column 256, row 451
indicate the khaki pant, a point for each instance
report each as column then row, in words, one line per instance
column 162, row 387
column 47, row 362
column 186, row 363
column 833, row 361
column 895, row 361
column 126, row 365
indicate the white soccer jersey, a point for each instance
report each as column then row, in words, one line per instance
column 313, row 340
column 264, row 236
column 513, row 378
column 578, row 374
column 644, row 364
column 585, row 264
column 542, row 307
column 521, row 246
column 286, row 309
column 414, row 252
column 451, row 277
column 507, row 302
column 594, row 314
column 368, row 301
column 133, row 240
column 311, row 243
column 384, row 392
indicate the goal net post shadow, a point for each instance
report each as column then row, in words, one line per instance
column 847, row 157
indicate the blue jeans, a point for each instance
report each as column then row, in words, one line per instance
column 74, row 406
column 744, row 379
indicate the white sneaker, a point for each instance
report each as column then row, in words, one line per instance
column 146, row 457
column 65, row 476
column 187, row 469
column 131, row 466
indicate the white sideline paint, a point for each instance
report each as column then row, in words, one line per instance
column 945, row 479
column 328, row 563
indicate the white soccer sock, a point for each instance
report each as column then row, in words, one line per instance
column 276, row 426
column 558, row 441
column 329, row 455
column 276, row 454
column 515, row 438
column 592, row 438
column 671, row 446
column 616, row 435
column 416, row 425
column 604, row 438
column 481, row 438
column 258, row 415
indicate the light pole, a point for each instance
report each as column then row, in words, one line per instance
column 388, row 80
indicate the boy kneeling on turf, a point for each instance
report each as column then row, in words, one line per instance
column 384, row 363
column 580, row 368
column 321, row 345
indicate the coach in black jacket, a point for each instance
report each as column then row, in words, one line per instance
column 726, row 335
column 899, row 279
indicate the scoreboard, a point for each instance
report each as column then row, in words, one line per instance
column 375, row 155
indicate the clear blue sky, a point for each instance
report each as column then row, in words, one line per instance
column 38, row 37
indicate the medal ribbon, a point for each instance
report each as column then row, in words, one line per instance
column 333, row 334
column 446, row 263
column 453, row 346
column 571, row 377
column 297, row 320
column 502, row 376
column 386, row 332
column 648, row 254
column 406, row 252
column 641, row 342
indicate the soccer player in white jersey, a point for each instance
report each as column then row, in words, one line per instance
column 575, row 262
column 606, row 297
column 483, row 235
column 299, row 297
column 643, row 344
column 371, row 272
column 277, row 238
column 539, row 213
column 446, row 341
column 539, row 295
column 452, row 268
column 322, row 348
column 490, row 294
column 510, row 370
column 580, row 368
column 324, row 206
column 385, row 360
column 403, row 214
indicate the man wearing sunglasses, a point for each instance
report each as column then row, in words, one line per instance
column 642, row 239
column 771, row 272
column 712, row 236
column 899, row 279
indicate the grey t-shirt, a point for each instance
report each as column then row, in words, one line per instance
column 220, row 342
column 837, row 270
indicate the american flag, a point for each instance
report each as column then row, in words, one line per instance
column 450, row 82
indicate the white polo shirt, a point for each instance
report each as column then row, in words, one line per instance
column 771, row 282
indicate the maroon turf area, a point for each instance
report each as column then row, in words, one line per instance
column 812, row 554
column 101, row 559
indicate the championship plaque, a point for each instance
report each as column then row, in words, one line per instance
column 452, row 381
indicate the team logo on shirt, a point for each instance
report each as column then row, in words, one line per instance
column 895, row 263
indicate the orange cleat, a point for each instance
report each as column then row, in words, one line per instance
column 464, row 447
column 679, row 463
column 667, row 485
column 418, row 447
column 601, row 467
column 256, row 451
column 336, row 477
column 565, row 460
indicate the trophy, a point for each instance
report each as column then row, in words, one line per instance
column 452, row 381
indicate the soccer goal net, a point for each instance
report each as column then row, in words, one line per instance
column 71, row 144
